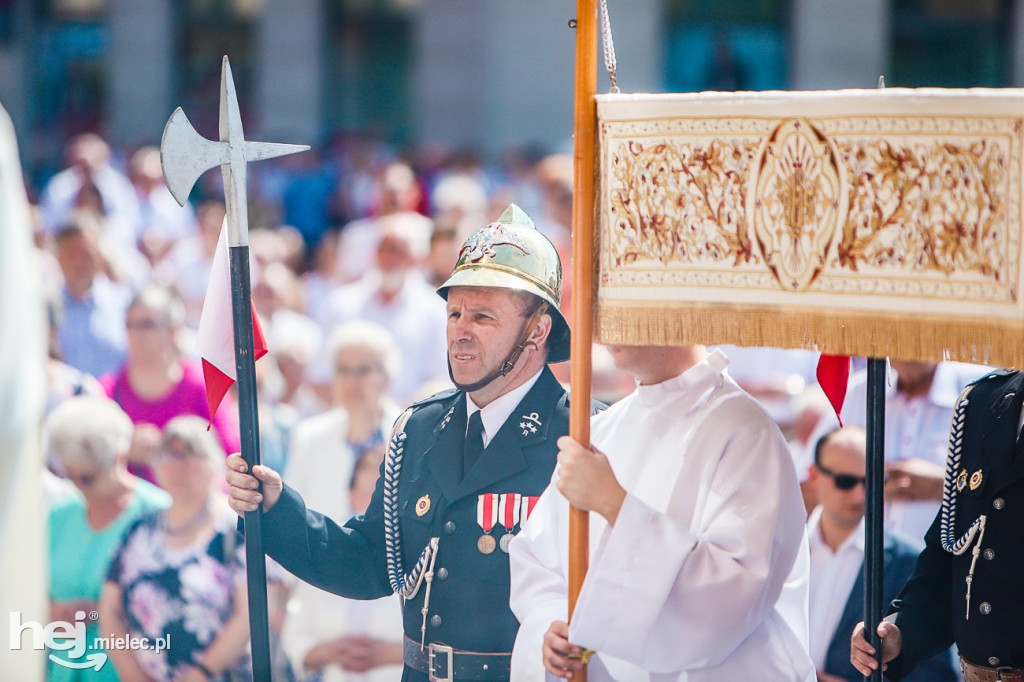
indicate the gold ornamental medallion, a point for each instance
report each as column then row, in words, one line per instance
column 423, row 505
column 976, row 479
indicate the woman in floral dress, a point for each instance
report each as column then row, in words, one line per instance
column 179, row 575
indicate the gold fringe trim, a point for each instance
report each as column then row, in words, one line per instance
column 860, row 333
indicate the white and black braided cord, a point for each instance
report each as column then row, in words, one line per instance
column 948, row 525
column 404, row 584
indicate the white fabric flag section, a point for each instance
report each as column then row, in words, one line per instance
column 215, row 339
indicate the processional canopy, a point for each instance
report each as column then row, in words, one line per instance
column 860, row 222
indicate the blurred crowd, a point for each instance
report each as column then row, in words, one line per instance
column 347, row 245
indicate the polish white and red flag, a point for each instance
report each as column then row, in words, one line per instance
column 215, row 339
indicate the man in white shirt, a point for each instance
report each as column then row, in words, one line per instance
column 396, row 193
column 395, row 295
column 698, row 566
column 835, row 533
column 90, row 169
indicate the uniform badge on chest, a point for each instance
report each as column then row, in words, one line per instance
column 976, row 479
column 423, row 505
column 530, row 423
column 961, row 480
column 446, row 419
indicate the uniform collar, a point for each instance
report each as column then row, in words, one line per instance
column 693, row 381
column 494, row 414
column 525, row 426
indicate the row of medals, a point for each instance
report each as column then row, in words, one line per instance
column 486, row 543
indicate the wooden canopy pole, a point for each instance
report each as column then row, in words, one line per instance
column 584, row 126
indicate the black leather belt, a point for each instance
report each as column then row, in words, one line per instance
column 982, row 673
column 441, row 663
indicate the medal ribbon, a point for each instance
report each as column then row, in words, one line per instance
column 487, row 511
column 510, row 509
column 528, row 503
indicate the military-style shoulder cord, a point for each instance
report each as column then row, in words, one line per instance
column 948, row 527
column 406, row 585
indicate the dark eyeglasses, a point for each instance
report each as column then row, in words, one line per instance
column 843, row 481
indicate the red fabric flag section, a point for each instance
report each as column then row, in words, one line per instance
column 215, row 339
column 833, row 374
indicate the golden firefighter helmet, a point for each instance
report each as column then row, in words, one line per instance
column 511, row 253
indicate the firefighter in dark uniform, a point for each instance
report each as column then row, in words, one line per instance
column 968, row 584
column 445, row 506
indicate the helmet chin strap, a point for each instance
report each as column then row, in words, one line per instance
column 510, row 360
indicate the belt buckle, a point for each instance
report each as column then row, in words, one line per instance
column 449, row 672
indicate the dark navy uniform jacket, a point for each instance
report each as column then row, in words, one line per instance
column 932, row 608
column 468, row 607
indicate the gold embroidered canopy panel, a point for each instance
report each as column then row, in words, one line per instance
column 881, row 223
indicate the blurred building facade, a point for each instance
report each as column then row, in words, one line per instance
column 482, row 74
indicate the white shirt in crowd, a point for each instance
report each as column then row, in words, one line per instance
column 359, row 240
column 832, row 577
column 704, row 575
column 320, row 466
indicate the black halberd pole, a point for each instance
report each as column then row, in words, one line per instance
column 184, row 156
column 249, row 429
column 874, row 510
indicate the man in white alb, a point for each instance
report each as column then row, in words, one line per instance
column 698, row 555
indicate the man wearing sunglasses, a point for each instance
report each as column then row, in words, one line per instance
column 836, row 537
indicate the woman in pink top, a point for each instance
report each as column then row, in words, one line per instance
column 158, row 383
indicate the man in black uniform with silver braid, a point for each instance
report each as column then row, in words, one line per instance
column 462, row 472
column 968, row 584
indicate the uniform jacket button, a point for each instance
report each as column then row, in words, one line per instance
column 999, row 503
column 442, row 574
column 449, row 528
column 989, row 554
column 993, row 661
column 435, row 621
column 984, row 607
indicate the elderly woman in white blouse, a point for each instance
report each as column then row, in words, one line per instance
column 328, row 637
